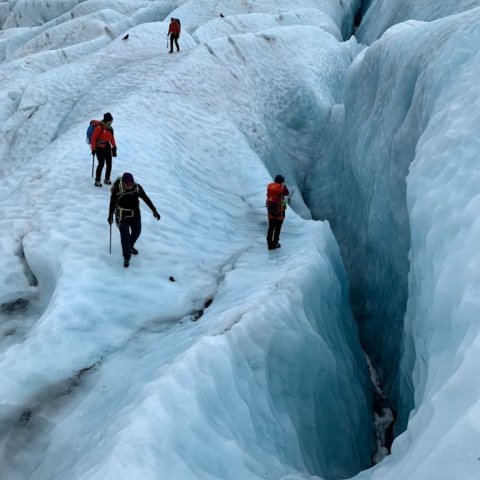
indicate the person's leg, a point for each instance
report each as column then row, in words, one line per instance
column 271, row 226
column 172, row 36
column 108, row 162
column 276, row 232
column 125, row 238
column 176, row 43
column 100, row 152
column 136, row 224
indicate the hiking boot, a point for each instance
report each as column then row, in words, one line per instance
column 133, row 251
column 107, row 182
column 170, row 51
column 97, row 183
column 126, row 263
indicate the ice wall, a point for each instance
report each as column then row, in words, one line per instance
column 441, row 322
column 408, row 176
column 381, row 15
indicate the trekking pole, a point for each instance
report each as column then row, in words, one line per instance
column 167, row 40
column 93, row 161
column 110, row 239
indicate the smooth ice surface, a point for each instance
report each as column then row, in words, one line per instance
column 248, row 365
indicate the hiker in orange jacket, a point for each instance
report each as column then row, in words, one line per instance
column 276, row 206
column 174, row 32
column 104, row 146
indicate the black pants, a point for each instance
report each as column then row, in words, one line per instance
column 130, row 229
column 174, row 38
column 104, row 155
column 273, row 234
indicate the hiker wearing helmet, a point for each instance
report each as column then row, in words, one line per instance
column 104, row 146
column 124, row 203
column 276, row 206
column 174, row 33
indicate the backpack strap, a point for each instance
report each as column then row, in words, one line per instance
column 120, row 212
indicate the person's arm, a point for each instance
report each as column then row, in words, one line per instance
column 112, row 138
column 112, row 142
column 144, row 197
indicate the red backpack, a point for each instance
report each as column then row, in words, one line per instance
column 276, row 204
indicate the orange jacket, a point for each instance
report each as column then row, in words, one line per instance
column 102, row 136
column 276, row 205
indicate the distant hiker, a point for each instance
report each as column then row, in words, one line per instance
column 124, row 203
column 174, row 32
column 276, row 206
column 104, row 146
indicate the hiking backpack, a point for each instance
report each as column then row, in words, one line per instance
column 122, row 213
column 276, row 204
column 90, row 129
column 118, row 183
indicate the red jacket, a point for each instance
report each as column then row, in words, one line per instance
column 276, row 204
column 102, row 136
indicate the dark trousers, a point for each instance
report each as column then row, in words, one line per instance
column 130, row 229
column 273, row 234
column 174, row 38
column 104, row 155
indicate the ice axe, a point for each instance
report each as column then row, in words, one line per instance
column 93, row 162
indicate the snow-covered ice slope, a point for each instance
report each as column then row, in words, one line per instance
column 247, row 364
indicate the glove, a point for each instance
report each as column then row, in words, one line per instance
column 114, row 151
column 93, row 152
column 156, row 215
column 110, row 220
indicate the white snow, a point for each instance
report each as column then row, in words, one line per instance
column 211, row 357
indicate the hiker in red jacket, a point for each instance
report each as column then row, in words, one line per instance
column 276, row 205
column 174, row 32
column 104, row 146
